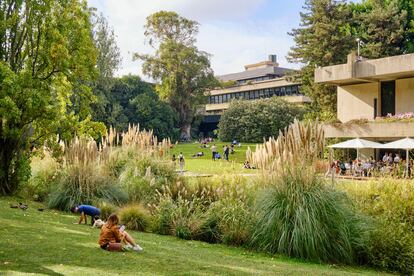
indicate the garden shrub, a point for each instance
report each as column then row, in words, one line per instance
column 82, row 184
column 390, row 203
column 135, row 217
column 253, row 121
column 391, row 247
column 106, row 210
column 229, row 221
column 299, row 216
column 162, row 212
column 186, row 219
column 44, row 175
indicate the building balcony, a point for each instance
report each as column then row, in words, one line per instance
column 375, row 130
column 359, row 70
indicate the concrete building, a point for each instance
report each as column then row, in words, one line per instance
column 260, row 80
column 369, row 89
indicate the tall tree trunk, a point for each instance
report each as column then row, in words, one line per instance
column 8, row 167
column 186, row 132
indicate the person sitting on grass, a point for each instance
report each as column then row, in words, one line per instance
column 198, row 154
column 84, row 211
column 114, row 237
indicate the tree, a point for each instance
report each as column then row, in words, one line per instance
column 382, row 26
column 47, row 58
column 133, row 101
column 108, row 61
column 183, row 71
column 253, row 121
column 323, row 38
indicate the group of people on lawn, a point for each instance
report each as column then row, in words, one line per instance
column 113, row 236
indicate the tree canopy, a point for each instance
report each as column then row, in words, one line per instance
column 47, row 60
column 183, row 72
column 133, row 101
column 253, row 121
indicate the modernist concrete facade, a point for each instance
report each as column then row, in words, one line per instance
column 260, row 80
column 368, row 89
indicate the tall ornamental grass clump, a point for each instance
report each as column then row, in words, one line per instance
column 84, row 178
column 300, row 216
column 91, row 173
column 135, row 217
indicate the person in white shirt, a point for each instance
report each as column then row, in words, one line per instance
column 214, row 152
column 397, row 158
column 385, row 157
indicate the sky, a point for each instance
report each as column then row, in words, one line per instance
column 234, row 32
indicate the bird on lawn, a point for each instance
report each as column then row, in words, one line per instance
column 23, row 206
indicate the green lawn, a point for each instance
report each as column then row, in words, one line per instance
column 205, row 165
column 49, row 243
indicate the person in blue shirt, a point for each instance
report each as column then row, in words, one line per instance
column 86, row 210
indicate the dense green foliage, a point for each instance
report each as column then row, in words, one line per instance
column 328, row 33
column 253, row 121
column 47, row 57
column 391, row 205
column 183, row 71
column 133, row 101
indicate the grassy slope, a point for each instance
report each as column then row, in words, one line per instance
column 49, row 243
column 204, row 164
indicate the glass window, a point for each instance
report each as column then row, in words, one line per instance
column 283, row 91
column 294, row 90
column 266, row 93
column 289, row 91
column 271, row 91
column 261, row 93
column 220, row 99
column 256, row 94
column 251, row 95
column 277, row 91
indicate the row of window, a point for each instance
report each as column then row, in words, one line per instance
column 292, row 90
column 268, row 77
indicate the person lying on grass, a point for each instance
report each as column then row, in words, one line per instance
column 114, row 237
column 86, row 210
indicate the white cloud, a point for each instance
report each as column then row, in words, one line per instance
column 225, row 31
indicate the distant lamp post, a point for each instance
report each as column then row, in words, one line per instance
column 360, row 43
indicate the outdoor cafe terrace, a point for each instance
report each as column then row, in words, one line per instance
column 388, row 165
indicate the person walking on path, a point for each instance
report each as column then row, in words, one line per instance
column 214, row 152
column 181, row 161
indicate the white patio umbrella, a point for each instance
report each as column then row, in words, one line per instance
column 406, row 144
column 357, row 144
